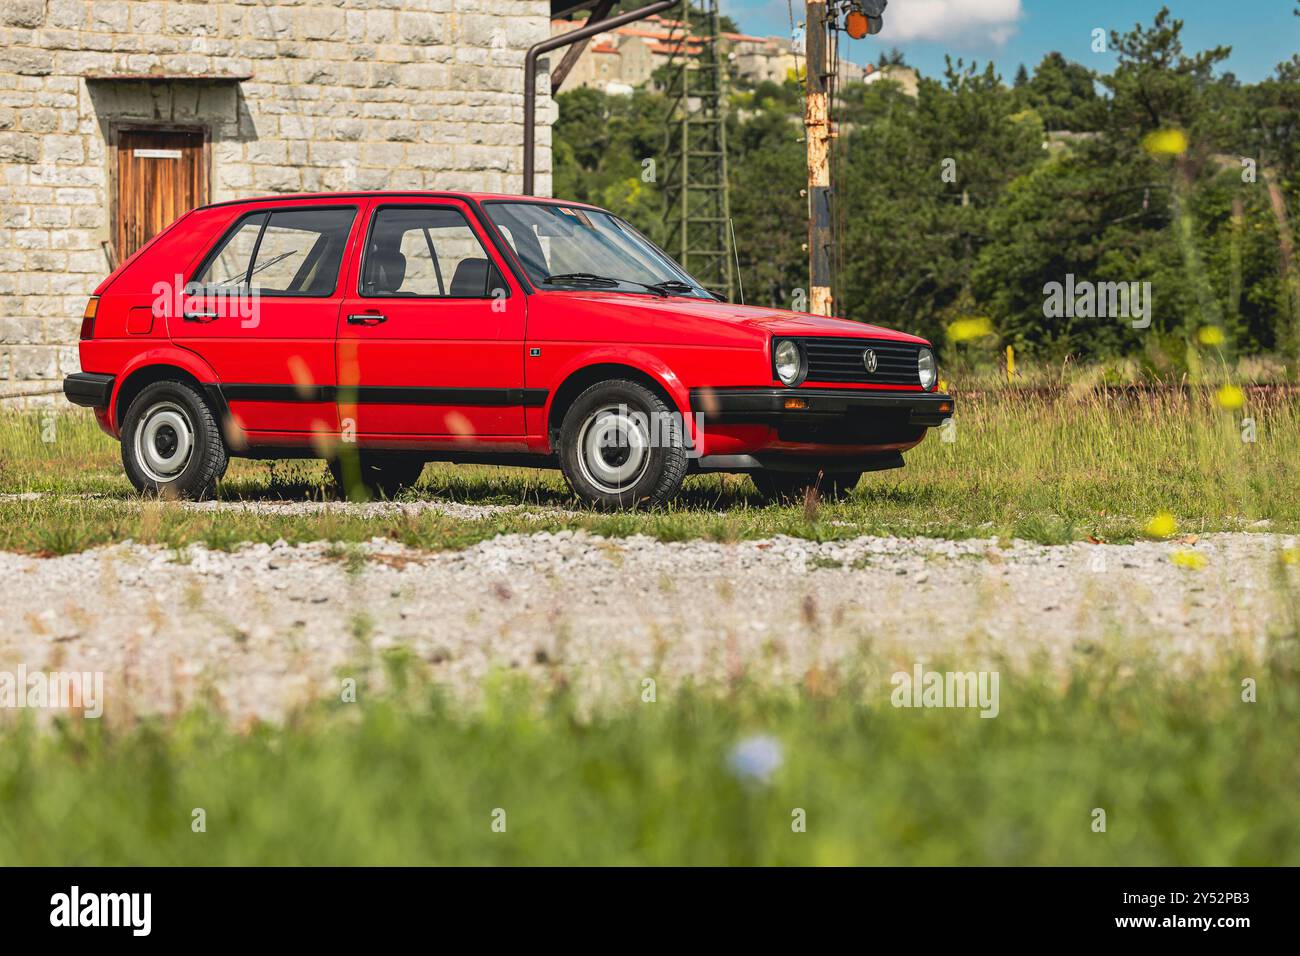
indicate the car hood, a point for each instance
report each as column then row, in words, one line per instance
column 675, row 309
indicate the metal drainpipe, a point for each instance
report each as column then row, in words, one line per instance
column 554, row 43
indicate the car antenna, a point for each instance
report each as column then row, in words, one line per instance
column 731, row 224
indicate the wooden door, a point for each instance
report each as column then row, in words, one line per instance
column 161, row 174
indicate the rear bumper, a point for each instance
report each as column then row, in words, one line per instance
column 88, row 389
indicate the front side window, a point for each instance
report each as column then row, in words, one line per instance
column 568, row 246
column 426, row 252
column 284, row 252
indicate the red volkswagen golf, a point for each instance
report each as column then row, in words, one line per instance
column 385, row 330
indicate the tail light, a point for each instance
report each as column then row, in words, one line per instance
column 88, row 318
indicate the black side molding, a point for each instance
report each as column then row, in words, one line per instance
column 88, row 389
column 385, row 395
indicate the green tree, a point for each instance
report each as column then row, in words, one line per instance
column 970, row 198
column 1062, row 94
column 916, row 187
column 767, row 174
column 605, row 149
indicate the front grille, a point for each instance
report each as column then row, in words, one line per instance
column 842, row 360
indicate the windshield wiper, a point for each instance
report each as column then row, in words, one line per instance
column 241, row 275
column 661, row 289
column 585, row 278
column 674, row 285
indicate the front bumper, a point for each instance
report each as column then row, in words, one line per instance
column 89, row 389
column 783, row 428
column 794, row 406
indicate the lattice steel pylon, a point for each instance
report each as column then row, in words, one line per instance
column 697, row 203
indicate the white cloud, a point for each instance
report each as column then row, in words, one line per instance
column 975, row 21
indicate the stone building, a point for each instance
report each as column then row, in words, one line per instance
column 118, row 115
column 906, row 77
column 626, row 57
column 763, row 59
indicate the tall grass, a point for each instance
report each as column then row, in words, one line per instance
column 1047, row 467
column 1184, row 770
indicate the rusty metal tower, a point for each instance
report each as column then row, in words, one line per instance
column 697, row 204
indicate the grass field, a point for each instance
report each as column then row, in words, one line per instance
column 1046, row 469
column 1185, row 772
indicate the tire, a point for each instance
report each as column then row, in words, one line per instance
column 621, row 446
column 171, row 442
column 780, row 487
column 374, row 475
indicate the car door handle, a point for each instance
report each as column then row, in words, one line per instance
column 366, row 318
column 199, row 316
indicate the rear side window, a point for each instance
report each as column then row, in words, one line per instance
column 427, row 252
column 283, row 252
column 228, row 266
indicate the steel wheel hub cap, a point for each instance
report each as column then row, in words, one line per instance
column 613, row 449
column 164, row 442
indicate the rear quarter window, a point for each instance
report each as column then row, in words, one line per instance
column 280, row 252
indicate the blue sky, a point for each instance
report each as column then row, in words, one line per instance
column 1262, row 33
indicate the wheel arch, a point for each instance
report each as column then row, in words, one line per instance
column 661, row 381
column 162, row 366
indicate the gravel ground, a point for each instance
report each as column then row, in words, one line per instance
column 268, row 626
column 371, row 509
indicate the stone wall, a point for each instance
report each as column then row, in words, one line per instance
column 355, row 94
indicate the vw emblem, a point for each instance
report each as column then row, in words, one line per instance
column 869, row 359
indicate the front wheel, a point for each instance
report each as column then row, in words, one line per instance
column 171, row 443
column 621, row 446
column 780, row 487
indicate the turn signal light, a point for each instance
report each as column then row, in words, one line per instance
column 794, row 404
column 945, row 406
column 88, row 318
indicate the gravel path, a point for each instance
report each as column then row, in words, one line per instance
column 296, row 508
column 267, row 626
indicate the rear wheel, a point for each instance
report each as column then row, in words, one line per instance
column 362, row 476
column 622, row 447
column 780, row 487
column 171, row 443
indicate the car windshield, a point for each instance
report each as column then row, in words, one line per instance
column 572, row 247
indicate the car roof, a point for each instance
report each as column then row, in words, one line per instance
column 408, row 193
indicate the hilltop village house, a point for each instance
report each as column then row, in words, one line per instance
column 118, row 115
column 622, row 59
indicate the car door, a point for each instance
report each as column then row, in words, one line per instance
column 264, row 313
column 430, row 340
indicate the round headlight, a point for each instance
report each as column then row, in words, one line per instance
column 926, row 368
column 789, row 362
